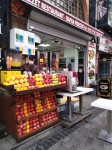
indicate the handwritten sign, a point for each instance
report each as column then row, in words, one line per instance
column 62, row 15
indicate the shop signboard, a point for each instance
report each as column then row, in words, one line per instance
column 104, row 87
column 91, row 62
column 105, row 45
column 62, row 15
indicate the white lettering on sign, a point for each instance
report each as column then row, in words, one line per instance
column 52, row 11
column 70, row 20
column 60, row 14
column 35, row 2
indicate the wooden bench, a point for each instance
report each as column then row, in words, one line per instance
column 107, row 105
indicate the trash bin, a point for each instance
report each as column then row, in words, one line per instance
column 94, row 86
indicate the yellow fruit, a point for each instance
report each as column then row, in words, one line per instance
column 25, row 88
column 27, row 130
column 28, row 126
column 26, row 84
column 26, row 115
column 16, row 81
column 18, row 77
column 27, row 122
column 21, row 80
column 22, row 76
column 8, row 80
column 25, row 111
column 19, row 85
column 11, row 82
column 13, row 78
column 25, row 80
column 6, row 84
column 25, row 107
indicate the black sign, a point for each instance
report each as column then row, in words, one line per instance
column 104, row 87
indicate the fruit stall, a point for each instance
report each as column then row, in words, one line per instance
column 29, row 103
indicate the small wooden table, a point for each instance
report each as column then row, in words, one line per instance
column 72, row 119
column 107, row 105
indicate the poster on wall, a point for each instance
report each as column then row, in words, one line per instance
column 91, row 62
column 105, row 45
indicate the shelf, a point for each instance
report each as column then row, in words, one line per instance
column 38, row 130
column 36, row 114
column 38, row 98
column 40, row 89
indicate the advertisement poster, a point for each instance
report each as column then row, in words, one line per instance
column 91, row 62
column 104, row 87
column 102, row 11
column 105, row 45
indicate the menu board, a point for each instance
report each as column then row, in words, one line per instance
column 104, row 87
column 91, row 62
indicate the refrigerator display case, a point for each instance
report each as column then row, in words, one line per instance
column 104, row 88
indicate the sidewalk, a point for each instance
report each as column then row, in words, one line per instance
column 82, row 136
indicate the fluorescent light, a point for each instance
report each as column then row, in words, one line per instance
column 44, row 45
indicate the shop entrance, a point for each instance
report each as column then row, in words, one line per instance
column 61, row 54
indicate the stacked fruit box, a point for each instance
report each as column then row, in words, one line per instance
column 22, row 82
column 34, row 111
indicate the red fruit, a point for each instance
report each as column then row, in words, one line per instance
column 20, row 134
column 19, row 130
column 34, row 128
column 19, row 117
column 24, row 132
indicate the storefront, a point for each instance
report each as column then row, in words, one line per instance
column 58, row 41
column 104, row 68
column 53, row 21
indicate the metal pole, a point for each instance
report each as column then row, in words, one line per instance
column 69, row 107
column 109, row 121
column 80, row 103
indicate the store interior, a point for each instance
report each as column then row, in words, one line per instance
column 65, row 54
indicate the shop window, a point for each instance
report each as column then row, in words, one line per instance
column 73, row 7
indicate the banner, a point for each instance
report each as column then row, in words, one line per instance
column 64, row 16
column 91, row 62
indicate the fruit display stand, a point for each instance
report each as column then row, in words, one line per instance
column 30, row 111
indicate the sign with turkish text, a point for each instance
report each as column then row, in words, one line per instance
column 104, row 87
column 105, row 45
column 91, row 62
column 62, row 15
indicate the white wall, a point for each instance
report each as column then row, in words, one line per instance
column 71, row 52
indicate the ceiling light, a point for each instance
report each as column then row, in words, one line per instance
column 44, row 45
column 56, row 41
